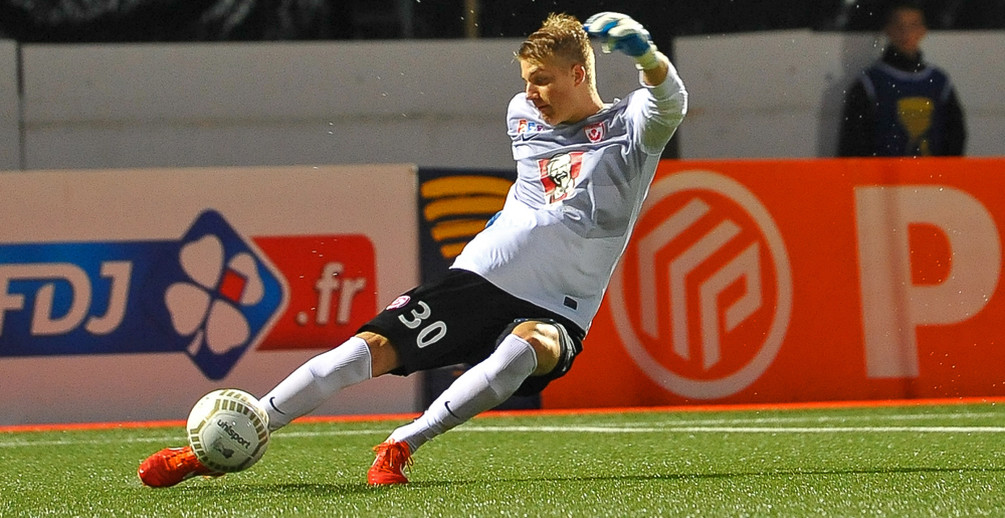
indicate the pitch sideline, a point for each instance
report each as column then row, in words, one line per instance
column 817, row 405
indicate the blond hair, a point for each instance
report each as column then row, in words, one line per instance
column 561, row 36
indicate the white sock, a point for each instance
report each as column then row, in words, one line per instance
column 317, row 380
column 481, row 388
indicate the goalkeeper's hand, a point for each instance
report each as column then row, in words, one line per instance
column 620, row 32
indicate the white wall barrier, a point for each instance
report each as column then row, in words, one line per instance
column 434, row 103
column 779, row 94
column 10, row 107
column 127, row 294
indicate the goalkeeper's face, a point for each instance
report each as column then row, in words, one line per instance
column 558, row 89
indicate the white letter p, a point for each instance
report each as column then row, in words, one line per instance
column 892, row 306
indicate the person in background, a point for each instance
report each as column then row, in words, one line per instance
column 902, row 106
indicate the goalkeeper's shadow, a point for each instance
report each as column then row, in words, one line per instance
column 294, row 489
column 713, row 475
column 321, row 490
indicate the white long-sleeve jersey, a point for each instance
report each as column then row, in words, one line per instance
column 579, row 189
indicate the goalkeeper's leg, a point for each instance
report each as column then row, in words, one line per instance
column 302, row 391
column 531, row 348
column 317, row 380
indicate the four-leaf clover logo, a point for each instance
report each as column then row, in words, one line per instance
column 207, row 305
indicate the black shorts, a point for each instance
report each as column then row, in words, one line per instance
column 459, row 319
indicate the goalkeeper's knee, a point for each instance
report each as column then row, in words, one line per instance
column 547, row 337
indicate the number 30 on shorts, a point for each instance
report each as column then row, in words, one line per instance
column 431, row 333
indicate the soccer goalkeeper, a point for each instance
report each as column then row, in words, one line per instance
column 517, row 302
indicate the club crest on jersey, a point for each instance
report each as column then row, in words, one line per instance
column 559, row 175
column 399, row 302
column 595, row 132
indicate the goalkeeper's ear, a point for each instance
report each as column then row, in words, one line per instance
column 579, row 73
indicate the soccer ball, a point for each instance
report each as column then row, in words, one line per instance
column 228, row 430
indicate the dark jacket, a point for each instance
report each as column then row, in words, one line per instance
column 902, row 107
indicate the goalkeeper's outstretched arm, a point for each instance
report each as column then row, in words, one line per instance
column 668, row 103
column 620, row 32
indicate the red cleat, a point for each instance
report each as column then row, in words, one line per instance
column 171, row 466
column 387, row 469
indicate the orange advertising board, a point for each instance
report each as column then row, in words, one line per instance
column 803, row 280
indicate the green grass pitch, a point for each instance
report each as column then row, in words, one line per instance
column 917, row 460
